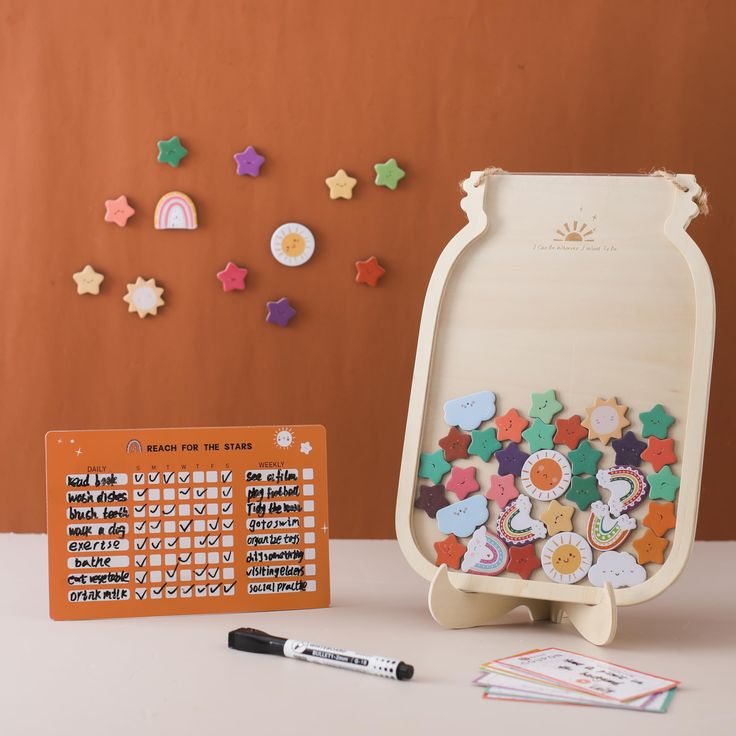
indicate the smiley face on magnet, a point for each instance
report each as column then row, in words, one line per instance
column 566, row 558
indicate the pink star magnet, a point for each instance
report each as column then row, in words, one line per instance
column 118, row 211
column 502, row 489
column 232, row 277
column 462, row 481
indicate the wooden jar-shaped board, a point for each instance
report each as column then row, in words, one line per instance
column 516, row 304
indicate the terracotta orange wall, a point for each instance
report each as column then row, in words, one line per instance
column 88, row 87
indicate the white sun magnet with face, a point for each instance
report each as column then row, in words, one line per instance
column 144, row 297
column 566, row 557
column 292, row 244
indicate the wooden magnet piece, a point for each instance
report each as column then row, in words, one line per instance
column 605, row 419
column 469, row 412
column 88, row 280
column 511, row 459
column 627, row 486
column 280, row 312
column 232, row 277
column 583, row 491
column 656, row 422
column 171, row 152
column 369, row 272
column 463, row 517
column 617, row 568
column 175, row 211
column 566, row 558
column 502, row 490
column 484, row 443
column 511, row 425
column 486, row 554
column 144, row 297
column 663, row 484
column 431, row 499
column 539, row 436
column 545, row 475
column 650, row 548
column 584, row 459
column 341, row 186
column 455, row 444
column 433, row 465
column 118, row 211
column 659, row 452
column 523, row 561
column 462, row 482
column 660, row 517
column 606, row 532
column 569, row 431
column 515, row 524
column 557, row 517
column 628, row 449
column 388, row 174
column 292, row 244
column 449, row 552
column 545, row 406
column 248, row 162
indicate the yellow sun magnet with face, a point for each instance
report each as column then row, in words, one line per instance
column 566, row 558
column 292, row 244
column 605, row 419
column 144, row 297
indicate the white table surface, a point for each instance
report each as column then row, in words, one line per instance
column 175, row 675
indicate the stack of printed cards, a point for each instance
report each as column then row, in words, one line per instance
column 559, row 676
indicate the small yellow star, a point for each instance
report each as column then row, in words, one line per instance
column 88, row 280
column 341, row 185
column 557, row 518
column 144, row 297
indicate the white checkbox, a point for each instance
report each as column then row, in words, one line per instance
column 154, row 527
column 170, row 559
column 309, row 553
column 199, row 525
column 212, row 492
column 139, row 478
column 185, row 575
column 213, row 540
column 228, row 589
column 309, row 522
column 197, row 476
column 169, row 527
column 200, row 590
column 185, row 493
column 227, row 491
column 311, row 586
column 308, row 489
column 308, row 473
column 226, row 476
column 183, row 476
column 140, row 560
column 157, row 592
column 185, row 591
column 169, row 494
column 171, row 542
column 212, row 509
column 153, row 477
column 214, row 590
column 139, row 510
column 185, row 542
column 228, row 573
column 171, row 591
column 227, row 540
column 309, row 538
column 183, row 509
column 154, row 494
column 154, row 510
column 226, row 508
column 200, row 558
column 199, row 541
column 212, row 476
column 155, row 560
column 213, row 558
column 155, row 576
column 141, row 593
column 309, row 505
column 310, row 570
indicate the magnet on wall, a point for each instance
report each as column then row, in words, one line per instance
column 144, row 297
column 292, row 244
column 88, row 280
column 341, row 185
column 369, row 272
column 232, row 277
column 388, row 174
column 175, row 211
column 248, row 162
column 171, row 151
column 279, row 312
column 118, row 211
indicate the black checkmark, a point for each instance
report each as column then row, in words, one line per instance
column 184, row 492
column 184, row 527
column 157, row 591
column 170, row 510
column 213, row 573
column 153, row 477
column 140, row 493
column 214, row 588
column 140, row 596
column 155, row 544
column 168, row 477
column 141, row 563
column 171, row 574
column 199, row 509
column 226, row 475
column 155, row 525
column 153, row 510
column 228, row 588
column 184, row 477
column 185, row 558
column 140, row 527
column 199, row 492
column 141, row 543
column 201, row 573
column 171, row 592
column 140, row 577
column 227, row 524
column 202, row 589
column 227, row 492
column 172, row 542
column 138, row 477
column 200, row 541
column 187, row 589
column 227, row 556
column 226, row 508
column 213, row 524
column 140, row 509
column 214, row 540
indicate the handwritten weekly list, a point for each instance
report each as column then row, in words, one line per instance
column 152, row 522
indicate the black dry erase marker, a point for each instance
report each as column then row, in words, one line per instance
column 252, row 640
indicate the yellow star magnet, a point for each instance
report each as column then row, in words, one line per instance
column 144, row 297
column 341, row 185
column 88, row 280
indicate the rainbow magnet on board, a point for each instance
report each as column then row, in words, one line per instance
column 515, row 524
column 627, row 487
column 486, row 554
column 175, row 211
column 606, row 532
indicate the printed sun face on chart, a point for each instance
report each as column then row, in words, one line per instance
column 284, row 438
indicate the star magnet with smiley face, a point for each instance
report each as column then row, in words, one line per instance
column 88, row 281
column 248, row 162
column 341, row 185
column 232, row 277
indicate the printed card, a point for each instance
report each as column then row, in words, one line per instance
column 152, row 522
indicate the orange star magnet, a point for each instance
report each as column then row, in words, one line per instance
column 523, row 561
column 369, row 272
column 510, row 425
column 455, row 444
column 650, row 548
column 449, row 552
column 660, row 453
column 569, row 432
column 660, row 517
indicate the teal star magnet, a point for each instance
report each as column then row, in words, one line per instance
column 539, row 436
column 583, row 491
column 545, row 406
column 389, row 174
column 663, row 484
column 171, row 152
column 585, row 459
column 433, row 465
column 656, row 422
column 484, row 443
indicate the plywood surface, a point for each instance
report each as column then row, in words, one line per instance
column 89, row 87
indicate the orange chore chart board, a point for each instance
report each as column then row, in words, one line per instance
column 150, row 522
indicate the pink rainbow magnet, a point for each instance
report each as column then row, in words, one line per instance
column 175, row 211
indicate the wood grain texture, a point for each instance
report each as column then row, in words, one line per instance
column 88, row 88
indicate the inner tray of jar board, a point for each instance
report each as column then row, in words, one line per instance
column 525, row 307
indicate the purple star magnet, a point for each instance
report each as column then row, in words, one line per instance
column 279, row 312
column 248, row 162
column 511, row 459
column 431, row 499
column 629, row 450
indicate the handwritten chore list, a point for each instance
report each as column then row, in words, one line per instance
column 200, row 520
